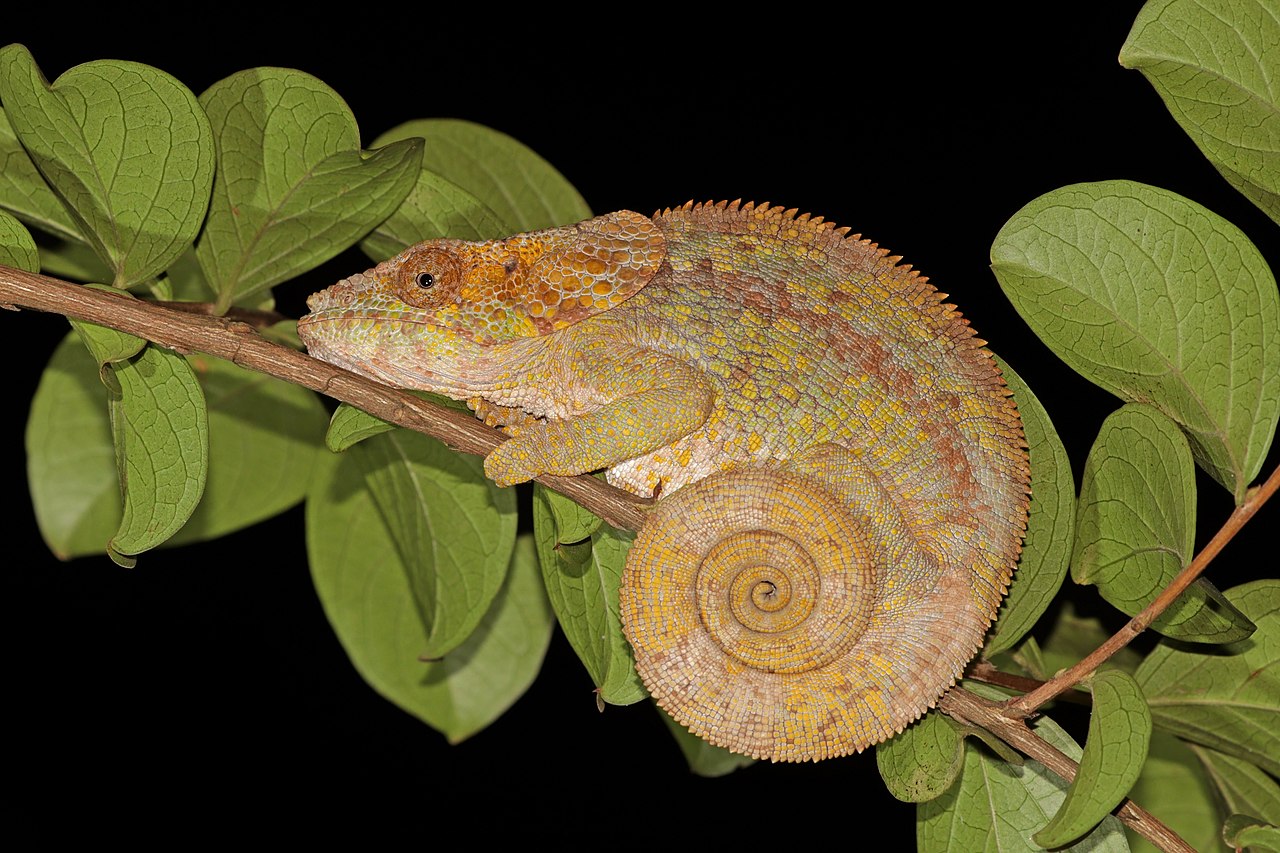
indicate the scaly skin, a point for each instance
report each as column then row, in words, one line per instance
column 843, row 473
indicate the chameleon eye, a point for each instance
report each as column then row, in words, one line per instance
column 425, row 280
column 428, row 274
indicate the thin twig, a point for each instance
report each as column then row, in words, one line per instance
column 237, row 342
column 1023, row 706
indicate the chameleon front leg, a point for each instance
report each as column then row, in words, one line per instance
column 647, row 400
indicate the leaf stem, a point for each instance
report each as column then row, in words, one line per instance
column 1024, row 706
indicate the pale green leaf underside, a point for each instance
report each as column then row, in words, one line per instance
column 1227, row 701
column 1216, row 65
column 1157, row 300
column 17, row 249
column 1046, row 551
column 1242, row 786
column 921, row 762
column 582, row 582
column 127, row 149
column 293, row 188
column 165, row 454
column 573, row 523
column 1247, row 832
column 453, row 529
column 703, row 758
column 1135, row 525
column 1119, row 733
column 365, row 590
column 1174, row 788
column 522, row 190
column 996, row 807
column 24, row 193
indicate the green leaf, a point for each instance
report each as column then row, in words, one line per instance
column 703, row 758
column 1213, row 62
column 1119, row 733
column 573, row 523
column 293, row 188
column 1227, row 701
column 1173, row 787
column 582, row 582
column 265, row 437
column 70, row 456
column 17, row 249
column 522, row 190
column 72, row 260
column 1046, row 551
column 435, row 207
column 1242, row 787
column 1159, row 301
column 922, row 762
column 1135, row 527
column 24, row 193
column 126, row 148
column 369, row 600
column 453, row 529
column 350, row 425
column 1072, row 637
column 996, row 806
column 1246, row 831
column 162, row 439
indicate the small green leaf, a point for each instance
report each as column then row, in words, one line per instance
column 1046, row 551
column 24, row 193
column 163, row 454
column 1157, row 300
column 1246, row 831
column 264, row 441
column 1242, row 787
column 1119, row 733
column 1227, row 701
column 573, row 523
column 703, row 758
column 922, row 762
column 367, row 595
column 1213, row 64
column 17, row 249
column 350, row 425
column 435, row 207
column 293, row 188
column 996, row 806
column 582, row 582
column 1135, row 527
column 523, row 191
column 453, row 529
column 1173, row 787
column 126, row 148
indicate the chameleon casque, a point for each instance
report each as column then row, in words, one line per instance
column 842, row 473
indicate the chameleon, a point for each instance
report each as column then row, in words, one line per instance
column 841, row 471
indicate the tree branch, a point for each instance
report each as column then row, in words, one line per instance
column 238, row 342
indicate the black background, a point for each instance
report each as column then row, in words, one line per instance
column 206, row 686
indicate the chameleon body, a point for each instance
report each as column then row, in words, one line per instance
column 842, row 473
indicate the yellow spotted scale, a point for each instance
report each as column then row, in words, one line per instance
column 842, row 473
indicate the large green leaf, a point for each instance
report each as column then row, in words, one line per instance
column 1119, row 733
column 1227, row 701
column 922, row 762
column 1242, row 787
column 996, row 806
column 127, row 149
column 369, row 599
column 1174, row 788
column 17, row 249
column 435, row 207
column 453, row 529
column 1215, row 64
column 1046, row 551
column 24, row 193
column 1135, row 528
column 160, row 426
column 582, row 582
column 293, row 188
column 1159, row 301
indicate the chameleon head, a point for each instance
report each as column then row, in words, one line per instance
column 442, row 306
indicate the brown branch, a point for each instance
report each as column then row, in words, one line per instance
column 965, row 707
column 1022, row 706
column 237, row 342
column 985, row 672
